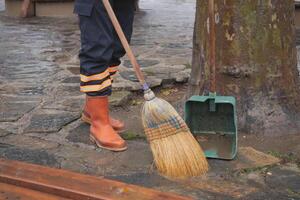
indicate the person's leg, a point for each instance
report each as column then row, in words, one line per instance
column 124, row 10
column 96, row 51
column 95, row 55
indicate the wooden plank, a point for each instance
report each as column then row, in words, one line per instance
column 73, row 185
column 12, row 192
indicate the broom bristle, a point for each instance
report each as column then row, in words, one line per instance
column 176, row 152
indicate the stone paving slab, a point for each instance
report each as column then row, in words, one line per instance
column 71, row 104
column 68, row 90
column 48, row 121
column 283, row 177
column 4, row 132
column 15, row 107
column 137, row 159
column 27, row 142
column 119, row 98
column 36, row 156
column 79, row 134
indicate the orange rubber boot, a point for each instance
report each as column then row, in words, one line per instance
column 117, row 125
column 101, row 130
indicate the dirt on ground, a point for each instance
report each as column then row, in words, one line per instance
column 266, row 167
column 286, row 146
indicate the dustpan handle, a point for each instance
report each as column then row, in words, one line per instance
column 125, row 44
column 212, row 45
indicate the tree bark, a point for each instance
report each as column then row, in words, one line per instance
column 256, row 62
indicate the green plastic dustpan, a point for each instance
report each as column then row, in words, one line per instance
column 212, row 119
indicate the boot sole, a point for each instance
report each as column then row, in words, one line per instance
column 95, row 141
column 88, row 121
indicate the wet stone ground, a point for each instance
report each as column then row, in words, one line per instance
column 40, row 108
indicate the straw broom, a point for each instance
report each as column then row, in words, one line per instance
column 176, row 152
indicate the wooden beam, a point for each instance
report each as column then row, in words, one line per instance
column 11, row 192
column 73, row 185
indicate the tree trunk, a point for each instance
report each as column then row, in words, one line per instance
column 256, row 62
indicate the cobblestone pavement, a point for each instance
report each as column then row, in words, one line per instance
column 40, row 104
column 165, row 57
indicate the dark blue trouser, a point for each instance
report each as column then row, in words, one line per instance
column 101, row 48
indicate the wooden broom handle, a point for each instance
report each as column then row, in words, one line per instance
column 212, row 45
column 124, row 42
